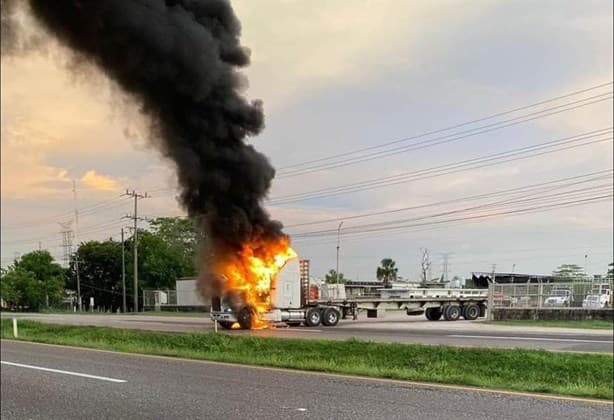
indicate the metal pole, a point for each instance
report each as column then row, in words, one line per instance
column 78, row 281
column 123, row 273
column 74, row 195
column 136, row 258
column 338, row 245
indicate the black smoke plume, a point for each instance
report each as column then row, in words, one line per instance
column 180, row 61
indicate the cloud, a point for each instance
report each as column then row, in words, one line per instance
column 99, row 182
column 336, row 42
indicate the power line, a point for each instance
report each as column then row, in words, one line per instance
column 453, row 167
column 513, row 201
column 84, row 211
column 499, row 114
column 442, row 224
column 449, row 137
column 98, row 227
column 596, row 176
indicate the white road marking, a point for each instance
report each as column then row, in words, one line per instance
column 65, row 372
column 573, row 340
column 301, row 409
column 311, row 330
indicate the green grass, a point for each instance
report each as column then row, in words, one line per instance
column 586, row 375
column 597, row 324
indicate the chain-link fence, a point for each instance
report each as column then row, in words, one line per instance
column 575, row 294
column 159, row 298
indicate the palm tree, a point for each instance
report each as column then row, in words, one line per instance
column 387, row 272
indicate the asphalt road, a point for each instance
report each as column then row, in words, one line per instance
column 393, row 328
column 122, row 386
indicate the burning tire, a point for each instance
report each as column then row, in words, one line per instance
column 471, row 311
column 452, row 312
column 330, row 317
column 433, row 314
column 313, row 317
column 246, row 317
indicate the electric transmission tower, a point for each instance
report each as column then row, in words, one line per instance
column 445, row 265
column 67, row 235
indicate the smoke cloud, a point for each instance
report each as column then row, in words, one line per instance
column 180, row 61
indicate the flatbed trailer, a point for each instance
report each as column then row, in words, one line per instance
column 292, row 306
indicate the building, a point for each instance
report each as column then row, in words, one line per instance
column 481, row 279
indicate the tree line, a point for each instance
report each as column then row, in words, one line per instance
column 167, row 250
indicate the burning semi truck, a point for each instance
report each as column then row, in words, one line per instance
column 283, row 296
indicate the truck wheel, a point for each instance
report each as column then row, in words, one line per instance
column 227, row 325
column 330, row 317
column 471, row 311
column 452, row 312
column 433, row 314
column 246, row 317
column 313, row 317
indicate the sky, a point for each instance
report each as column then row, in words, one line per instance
column 337, row 77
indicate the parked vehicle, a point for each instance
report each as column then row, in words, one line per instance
column 292, row 304
column 599, row 297
column 559, row 297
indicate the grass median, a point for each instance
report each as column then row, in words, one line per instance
column 585, row 375
column 592, row 324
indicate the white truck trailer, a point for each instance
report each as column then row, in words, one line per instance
column 291, row 304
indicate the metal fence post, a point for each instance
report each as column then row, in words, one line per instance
column 491, row 300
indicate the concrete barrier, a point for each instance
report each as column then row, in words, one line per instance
column 500, row 314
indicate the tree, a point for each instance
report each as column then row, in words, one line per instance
column 35, row 280
column 161, row 262
column 8, row 289
column 387, row 272
column 180, row 234
column 610, row 275
column 425, row 265
column 99, row 274
column 333, row 278
column 568, row 272
column 23, row 289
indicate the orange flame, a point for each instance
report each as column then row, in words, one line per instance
column 253, row 274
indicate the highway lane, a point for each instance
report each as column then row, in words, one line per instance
column 393, row 328
column 164, row 388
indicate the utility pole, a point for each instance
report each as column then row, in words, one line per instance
column 123, row 274
column 338, row 246
column 74, row 196
column 135, row 218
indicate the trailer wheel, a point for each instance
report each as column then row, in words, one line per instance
column 471, row 311
column 330, row 317
column 246, row 317
column 313, row 317
column 227, row 325
column 433, row 314
column 452, row 313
